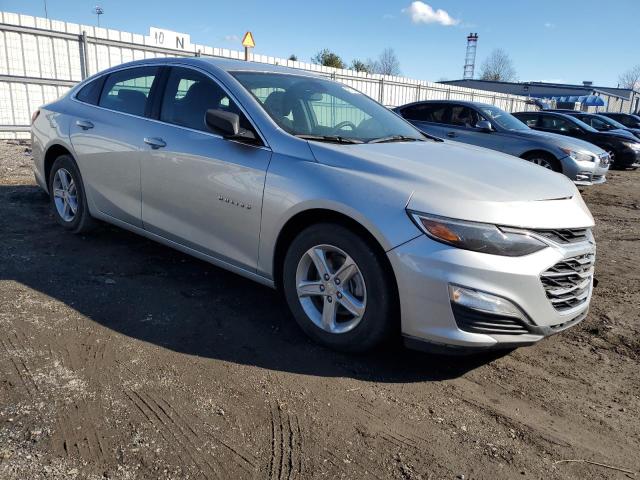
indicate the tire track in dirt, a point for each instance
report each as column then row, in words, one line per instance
column 76, row 435
column 542, row 427
column 16, row 351
column 174, row 427
column 286, row 455
column 174, row 434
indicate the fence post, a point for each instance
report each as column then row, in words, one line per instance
column 84, row 61
column 381, row 99
column 418, row 93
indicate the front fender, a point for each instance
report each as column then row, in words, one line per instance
column 293, row 186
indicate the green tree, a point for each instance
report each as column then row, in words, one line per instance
column 327, row 58
column 360, row 66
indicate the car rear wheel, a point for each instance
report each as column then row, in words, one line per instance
column 338, row 289
column 542, row 159
column 67, row 196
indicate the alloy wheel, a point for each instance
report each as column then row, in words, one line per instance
column 65, row 195
column 543, row 162
column 331, row 289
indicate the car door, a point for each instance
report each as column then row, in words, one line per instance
column 427, row 117
column 107, row 136
column 198, row 188
column 461, row 127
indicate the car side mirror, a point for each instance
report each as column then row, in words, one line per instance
column 484, row 125
column 227, row 124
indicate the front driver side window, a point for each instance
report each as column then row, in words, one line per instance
column 189, row 94
column 464, row 116
column 557, row 123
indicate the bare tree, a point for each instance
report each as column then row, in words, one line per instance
column 293, row 57
column 498, row 66
column 630, row 79
column 387, row 63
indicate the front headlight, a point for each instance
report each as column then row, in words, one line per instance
column 478, row 237
column 579, row 156
column 635, row 146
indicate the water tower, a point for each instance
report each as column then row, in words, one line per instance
column 470, row 57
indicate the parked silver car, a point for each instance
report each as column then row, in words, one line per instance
column 488, row 126
column 369, row 226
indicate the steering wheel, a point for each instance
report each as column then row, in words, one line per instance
column 341, row 125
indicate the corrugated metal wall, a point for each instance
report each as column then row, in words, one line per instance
column 41, row 59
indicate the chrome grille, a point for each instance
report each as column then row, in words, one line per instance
column 564, row 235
column 568, row 283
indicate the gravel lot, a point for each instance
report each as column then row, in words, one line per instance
column 120, row 358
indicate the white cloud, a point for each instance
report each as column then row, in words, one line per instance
column 421, row 12
column 550, row 25
column 231, row 38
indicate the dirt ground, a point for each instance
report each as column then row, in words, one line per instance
column 123, row 359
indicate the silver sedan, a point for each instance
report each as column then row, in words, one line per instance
column 370, row 227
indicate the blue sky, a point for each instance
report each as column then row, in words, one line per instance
column 548, row 40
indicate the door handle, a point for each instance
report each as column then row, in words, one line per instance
column 155, row 142
column 84, row 124
column 452, row 134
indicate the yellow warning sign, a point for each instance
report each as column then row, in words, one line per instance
column 247, row 40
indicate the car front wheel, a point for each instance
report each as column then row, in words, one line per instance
column 338, row 288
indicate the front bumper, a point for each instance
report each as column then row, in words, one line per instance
column 585, row 173
column 627, row 158
column 425, row 268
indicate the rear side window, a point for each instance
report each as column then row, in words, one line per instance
column 556, row 123
column 530, row 119
column 436, row 113
column 90, row 93
column 128, row 90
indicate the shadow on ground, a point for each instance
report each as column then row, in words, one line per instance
column 152, row 293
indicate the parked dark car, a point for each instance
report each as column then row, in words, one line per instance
column 601, row 122
column 491, row 127
column 624, row 151
column 626, row 119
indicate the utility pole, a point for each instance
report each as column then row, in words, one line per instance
column 46, row 13
column 98, row 10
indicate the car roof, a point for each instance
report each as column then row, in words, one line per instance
column 220, row 64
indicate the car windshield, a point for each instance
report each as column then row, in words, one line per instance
column 502, row 118
column 581, row 124
column 610, row 121
column 322, row 110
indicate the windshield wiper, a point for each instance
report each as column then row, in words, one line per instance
column 395, row 138
column 329, row 138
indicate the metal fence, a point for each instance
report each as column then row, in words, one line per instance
column 40, row 59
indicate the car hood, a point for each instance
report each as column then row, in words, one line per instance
column 560, row 141
column 462, row 181
column 619, row 133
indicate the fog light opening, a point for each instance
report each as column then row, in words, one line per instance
column 484, row 302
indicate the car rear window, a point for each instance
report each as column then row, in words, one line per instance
column 128, row 90
column 90, row 93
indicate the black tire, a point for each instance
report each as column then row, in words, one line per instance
column 379, row 321
column 82, row 222
column 545, row 157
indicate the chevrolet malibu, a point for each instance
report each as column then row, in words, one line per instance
column 370, row 227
